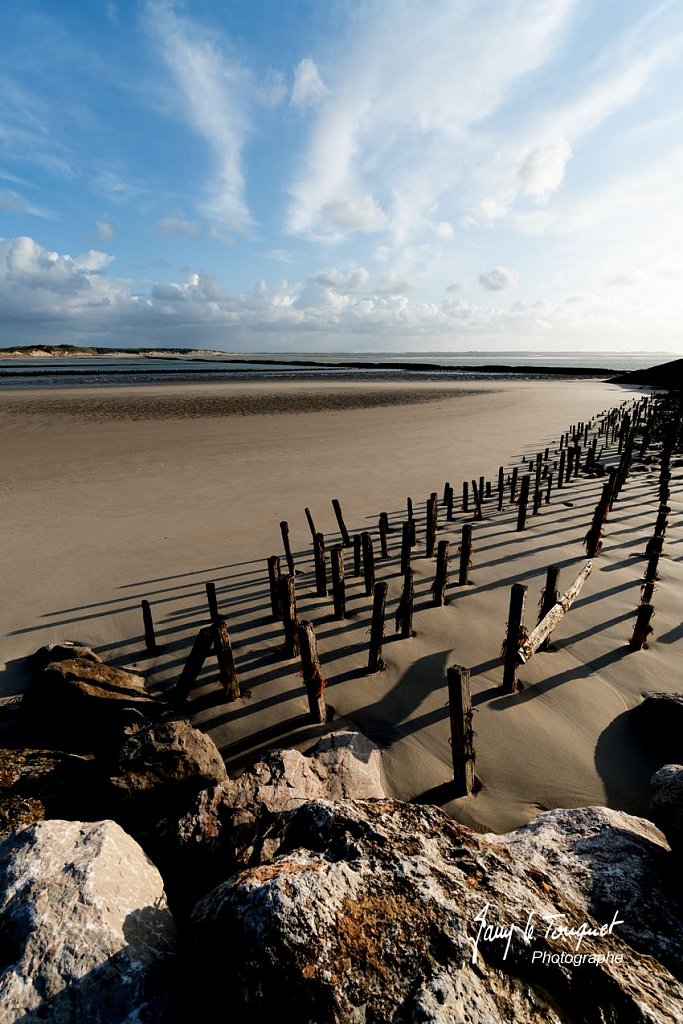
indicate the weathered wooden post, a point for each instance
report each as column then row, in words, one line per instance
column 514, row 636
column 446, row 489
column 476, row 496
column 549, row 488
column 646, row 592
column 356, row 554
column 311, row 524
column 314, row 680
column 539, row 467
column 570, row 465
column 375, row 663
column 284, row 530
column 642, row 628
column 651, row 573
column 226, row 661
column 289, row 619
column 577, row 459
column 368, row 563
column 441, row 577
column 465, row 496
column 320, row 565
column 487, row 489
column 148, row 622
column 523, row 502
column 513, row 484
column 431, row 527
column 405, row 547
column 212, row 601
column 537, row 501
column 338, row 581
column 449, row 505
column 462, row 734
column 654, row 545
column 549, row 621
column 561, row 470
column 188, row 677
column 411, row 520
column 346, row 540
column 404, row 612
column 274, row 582
column 383, row 535
column 465, row 554
column 501, row 487
column 662, row 521
column 549, row 597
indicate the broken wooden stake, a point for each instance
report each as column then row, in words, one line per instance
column 226, row 661
column 148, row 622
column 462, row 734
column 549, row 598
column 289, row 619
column 338, row 581
column 441, row 577
column 320, row 565
column 642, row 628
column 375, row 663
column 346, row 540
column 284, row 530
column 274, row 582
column 553, row 617
column 314, row 680
column 404, row 612
column 513, row 639
column 203, row 643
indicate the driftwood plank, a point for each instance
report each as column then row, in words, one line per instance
column 554, row 616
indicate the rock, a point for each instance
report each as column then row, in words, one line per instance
column 238, row 822
column 666, row 804
column 660, row 717
column 38, row 784
column 86, row 932
column 606, row 860
column 83, row 705
column 65, row 650
column 378, row 910
column 161, row 767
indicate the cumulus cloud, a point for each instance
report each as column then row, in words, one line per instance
column 354, row 213
column 353, row 281
column 498, row 279
column 308, row 86
column 542, row 170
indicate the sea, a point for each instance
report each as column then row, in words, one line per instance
column 112, row 371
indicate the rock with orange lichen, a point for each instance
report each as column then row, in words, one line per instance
column 375, row 910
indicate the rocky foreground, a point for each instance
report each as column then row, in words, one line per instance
column 139, row 883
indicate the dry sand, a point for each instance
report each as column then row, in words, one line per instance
column 101, row 510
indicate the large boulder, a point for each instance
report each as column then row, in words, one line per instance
column 666, row 804
column 660, row 717
column 391, row 912
column 38, row 784
column 86, row 932
column 62, row 650
column 161, row 767
column 239, row 821
column 82, row 705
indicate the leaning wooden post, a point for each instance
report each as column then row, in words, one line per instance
column 148, row 622
column 346, row 540
column 554, row 616
column 431, row 527
column 338, row 581
column 212, row 601
column 465, row 554
column 188, row 677
column 404, row 612
column 357, row 554
column 274, row 582
column 314, row 680
column 311, row 524
column 462, row 734
column 642, row 628
column 405, row 547
column 383, row 535
column 375, row 663
column 501, row 487
column 226, row 661
column 441, row 577
column 289, row 619
column 320, row 565
column 549, row 598
column 523, row 502
column 284, row 530
column 514, row 636
column 368, row 562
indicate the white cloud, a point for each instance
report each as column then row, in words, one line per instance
column 498, row 279
column 308, row 86
column 354, row 213
column 105, row 231
column 177, row 226
column 354, row 281
column 212, row 87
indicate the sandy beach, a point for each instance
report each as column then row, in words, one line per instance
column 152, row 492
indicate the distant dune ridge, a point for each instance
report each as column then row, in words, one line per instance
column 664, row 375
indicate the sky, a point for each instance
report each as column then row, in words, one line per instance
column 329, row 175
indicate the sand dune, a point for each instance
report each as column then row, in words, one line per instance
column 102, row 510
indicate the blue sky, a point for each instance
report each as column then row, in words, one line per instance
column 366, row 176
